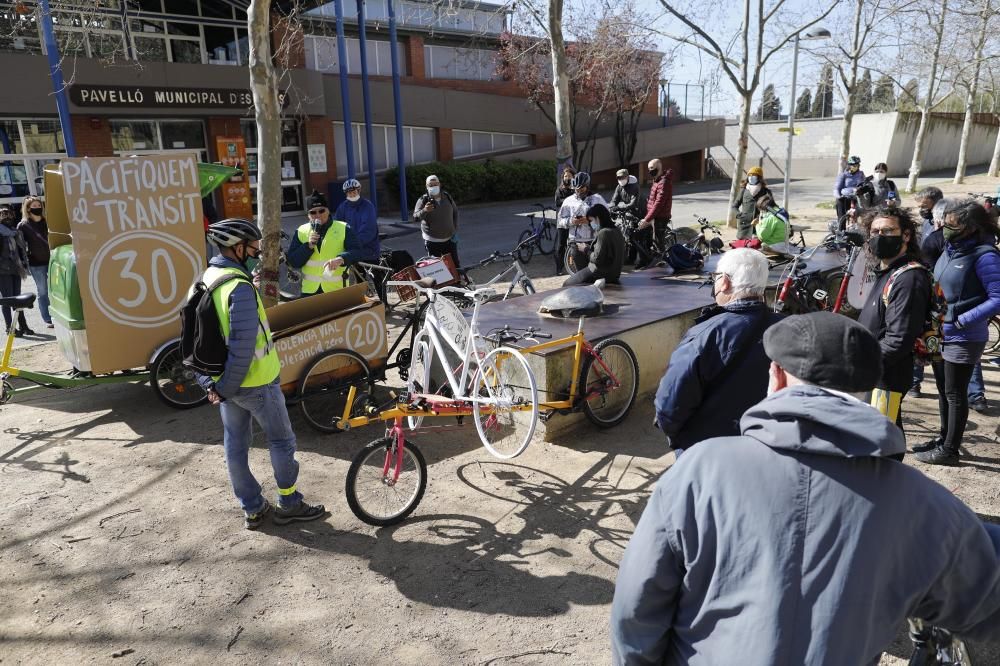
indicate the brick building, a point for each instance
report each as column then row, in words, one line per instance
column 163, row 75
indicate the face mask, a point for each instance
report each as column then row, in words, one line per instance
column 353, row 197
column 852, row 169
column 652, row 172
column 879, row 176
column 885, row 247
column 250, row 262
column 753, row 180
column 434, row 191
column 567, row 180
column 951, row 234
column 35, row 211
column 623, row 181
column 753, row 189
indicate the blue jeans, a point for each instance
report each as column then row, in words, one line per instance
column 40, row 274
column 265, row 405
column 977, row 388
column 918, row 374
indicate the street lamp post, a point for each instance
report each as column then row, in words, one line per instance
column 812, row 33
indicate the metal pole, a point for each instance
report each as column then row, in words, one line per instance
column 703, row 101
column 345, row 94
column 366, row 95
column 404, row 208
column 58, row 85
column 664, row 109
column 791, row 130
column 668, row 103
column 686, row 114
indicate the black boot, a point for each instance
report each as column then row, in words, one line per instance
column 927, row 446
column 939, row 456
column 22, row 326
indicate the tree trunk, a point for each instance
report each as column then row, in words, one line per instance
column 267, row 113
column 970, row 99
column 995, row 162
column 741, row 154
column 925, row 108
column 560, row 88
column 852, row 90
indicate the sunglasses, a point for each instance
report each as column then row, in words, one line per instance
column 317, row 211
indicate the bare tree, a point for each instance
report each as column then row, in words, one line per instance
column 986, row 13
column 744, row 67
column 934, row 85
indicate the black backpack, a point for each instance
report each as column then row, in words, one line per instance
column 203, row 349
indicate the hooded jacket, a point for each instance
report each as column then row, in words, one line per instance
column 799, row 542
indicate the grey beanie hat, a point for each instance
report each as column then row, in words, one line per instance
column 827, row 350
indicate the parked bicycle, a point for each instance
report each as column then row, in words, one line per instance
column 539, row 234
column 707, row 243
column 805, row 291
column 515, row 273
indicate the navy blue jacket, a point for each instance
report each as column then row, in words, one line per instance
column 969, row 275
column 362, row 219
column 713, row 377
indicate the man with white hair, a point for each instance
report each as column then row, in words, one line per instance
column 719, row 369
column 438, row 216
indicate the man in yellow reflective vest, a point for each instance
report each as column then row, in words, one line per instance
column 248, row 388
column 322, row 248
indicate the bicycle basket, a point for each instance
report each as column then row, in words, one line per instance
column 441, row 269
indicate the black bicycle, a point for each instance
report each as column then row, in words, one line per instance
column 539, row 234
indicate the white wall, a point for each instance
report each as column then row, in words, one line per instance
column 875, row 137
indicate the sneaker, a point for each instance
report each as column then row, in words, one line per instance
column 301, row 512
column 49, row 324
column 914, row 392
column 927, row 446
column 938, row 456
column 979, row 406
column 253, row 520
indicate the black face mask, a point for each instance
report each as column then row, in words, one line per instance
column 885, row 247
column 652, row 172
column 35, row 211
column 926, row 214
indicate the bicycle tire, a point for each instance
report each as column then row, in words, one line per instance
column 175, row 385
column 525, row 250
column 832, row 289
column 568, row 260
column 325, row 385
column 418, row 376
column 527, row 287
column 621, row 360
column 993, row 342
column 366, row 472
column 503, row 386
column 547, row 239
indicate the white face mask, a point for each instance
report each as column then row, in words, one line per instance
column 353, row 197
column 753, row 189
column 753, row 180
column 434, row 190
column 880, row 176
column 623, row 181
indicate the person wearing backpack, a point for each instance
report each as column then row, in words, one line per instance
column 898, row 304
column 771, row 225
column 968, row 273
column 248, row 388
column 438, row 217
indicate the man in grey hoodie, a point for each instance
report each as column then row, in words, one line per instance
column 800, row 541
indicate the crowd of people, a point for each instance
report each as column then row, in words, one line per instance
column 24, row 252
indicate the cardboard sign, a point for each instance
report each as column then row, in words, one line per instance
column 137, row 231
column 232, row 151
column 307, row 328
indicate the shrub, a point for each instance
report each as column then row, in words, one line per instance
column 470, row 182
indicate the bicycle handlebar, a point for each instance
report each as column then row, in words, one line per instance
column 481, row 293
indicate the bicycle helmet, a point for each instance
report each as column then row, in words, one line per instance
column 581, row 179
column 230, row 232
column 352, row 184
column 853, row 160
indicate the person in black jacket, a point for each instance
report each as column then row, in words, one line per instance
column 608, row 255
column 564, row 191
column 626, row 197
column 897, row 307
column 719, row 369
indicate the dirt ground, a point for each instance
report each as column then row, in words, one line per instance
column 120, row 541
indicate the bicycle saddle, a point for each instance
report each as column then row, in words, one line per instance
column 22, row 302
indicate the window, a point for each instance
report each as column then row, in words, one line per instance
column 221, row 45
column 152, row 136
column 322, row 56
column 466, row 143
column 418, row 143
column 449, row 62
column 292, row 194
column 19, row 33
column 26, row 146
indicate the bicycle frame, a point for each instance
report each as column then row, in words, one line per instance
column 842, row 292
column 433, row 329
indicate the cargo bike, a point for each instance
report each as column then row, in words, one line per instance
column 455, row 371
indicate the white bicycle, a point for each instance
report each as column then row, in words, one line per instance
column 451, row 366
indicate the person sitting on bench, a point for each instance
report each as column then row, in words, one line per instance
column 608, row 253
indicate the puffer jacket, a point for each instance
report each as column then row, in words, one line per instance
column 848, row 183
column 969, row 275
column 661, row 197
column 715, row 374
column 800, row 542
